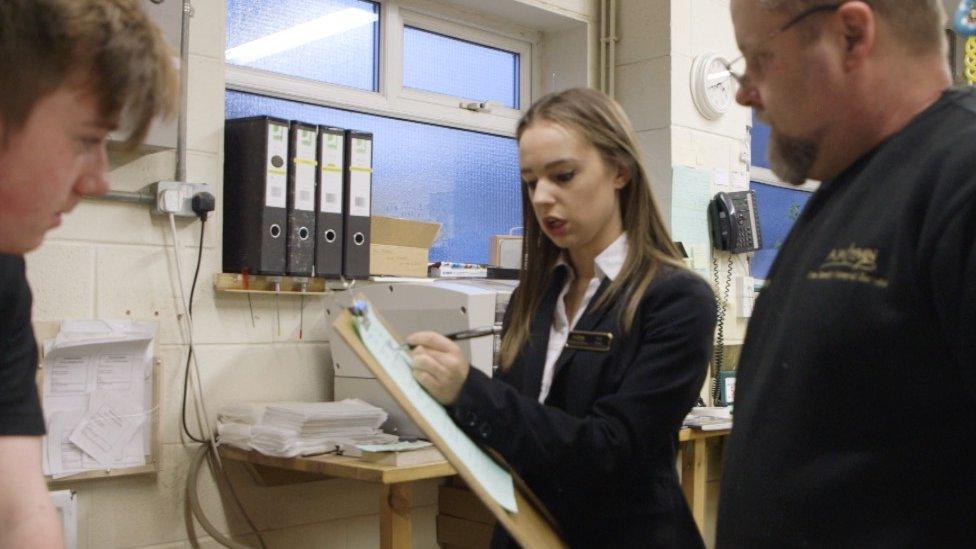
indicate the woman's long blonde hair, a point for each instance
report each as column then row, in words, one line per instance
column 602, row 123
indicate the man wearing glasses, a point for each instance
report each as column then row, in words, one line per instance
column 855, row 413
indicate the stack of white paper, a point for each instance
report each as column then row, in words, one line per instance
column 235, row 423
column 289, row 429
column 715, row 418
column 97, row 395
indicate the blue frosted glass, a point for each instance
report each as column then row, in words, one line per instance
column 778, row 208
column 760, row 143
column 450, row 66
column 346, row 57
column 467, row 181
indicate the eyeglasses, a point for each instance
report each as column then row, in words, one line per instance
column 739, row 73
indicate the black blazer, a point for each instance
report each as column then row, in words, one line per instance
column 600, row 454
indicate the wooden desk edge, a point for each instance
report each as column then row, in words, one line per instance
column 344, row 467
column 687, row 434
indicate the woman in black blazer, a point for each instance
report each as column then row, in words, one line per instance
column 606, row 339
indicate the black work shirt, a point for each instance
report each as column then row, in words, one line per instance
column 20, row 409
column 855, row 412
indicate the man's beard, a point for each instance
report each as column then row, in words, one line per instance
column 791, row 158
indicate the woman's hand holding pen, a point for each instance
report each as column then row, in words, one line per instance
column 438, row 365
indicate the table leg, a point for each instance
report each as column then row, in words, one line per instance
column 395, row 516
column 694, row 474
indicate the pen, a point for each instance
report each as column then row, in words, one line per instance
column 469, row 334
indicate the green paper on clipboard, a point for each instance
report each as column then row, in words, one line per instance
column 397, row 364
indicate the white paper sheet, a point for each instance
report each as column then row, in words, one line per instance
column 108, row 426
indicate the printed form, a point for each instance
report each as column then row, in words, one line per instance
column 97, row 395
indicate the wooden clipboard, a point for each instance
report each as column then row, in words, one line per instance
column 529, row 526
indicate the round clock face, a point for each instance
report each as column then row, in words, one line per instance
column 712, row 86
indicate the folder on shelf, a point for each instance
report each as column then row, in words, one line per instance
column 328, row 203
column 358, row 183
column 302, row 166
column 255, row 201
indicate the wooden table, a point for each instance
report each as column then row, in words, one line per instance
column 693, row 457
column 395, row 500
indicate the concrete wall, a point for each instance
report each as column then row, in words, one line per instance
column 659, row 40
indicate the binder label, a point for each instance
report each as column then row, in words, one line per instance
column 277, row 184
column 331, row 199
column 305, row 166
column 361, row 176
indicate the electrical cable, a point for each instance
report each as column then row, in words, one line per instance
column 188, row 327
column 209, row 445
column 197, row 510
column 214, row 466
column 186, row 369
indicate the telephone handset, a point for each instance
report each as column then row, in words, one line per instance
column 732, row 219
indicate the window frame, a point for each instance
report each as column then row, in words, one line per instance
column 393, row 99
column 417, row 20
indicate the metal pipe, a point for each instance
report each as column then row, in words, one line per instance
column 126, row 196
column 603, row 46
column 612, row 52
column 184, row 91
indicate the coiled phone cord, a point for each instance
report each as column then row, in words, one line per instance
column 970, row 69
column 723, row 302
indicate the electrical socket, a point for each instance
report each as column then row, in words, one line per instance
column 176, row 197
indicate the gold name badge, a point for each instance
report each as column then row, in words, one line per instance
column 589, row 341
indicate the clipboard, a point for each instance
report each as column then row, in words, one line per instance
column 529, row 526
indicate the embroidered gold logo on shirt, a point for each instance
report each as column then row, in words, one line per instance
column 850, row 264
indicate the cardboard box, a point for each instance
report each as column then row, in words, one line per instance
column 506, row 251
column 400, row 247
column 462, row 520
column 463, row 504
column 455, row 532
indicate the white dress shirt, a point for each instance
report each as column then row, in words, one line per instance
column 607, row 264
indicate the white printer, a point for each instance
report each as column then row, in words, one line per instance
column 443, row 306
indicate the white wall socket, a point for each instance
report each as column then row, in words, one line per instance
column 176, row 197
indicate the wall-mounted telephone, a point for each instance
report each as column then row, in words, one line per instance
column 733, row 222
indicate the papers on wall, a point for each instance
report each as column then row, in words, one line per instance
column 97, row 395
column 496, row 481
column 690, row 194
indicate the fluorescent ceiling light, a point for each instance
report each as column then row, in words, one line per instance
column 299, row 35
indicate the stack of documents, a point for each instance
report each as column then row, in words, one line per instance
column 235, row 423
column 449, row 269
column 711, row 418
column 288, row 429
column 401, row 453
column 97, row 394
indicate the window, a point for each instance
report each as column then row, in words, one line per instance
column 778, row 208
column 467, row 181
column 779, row 204
column 433, row 159
column 760, row 143
column 333, row 41
column 455, row 67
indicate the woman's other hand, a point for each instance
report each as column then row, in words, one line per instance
column 438, row 365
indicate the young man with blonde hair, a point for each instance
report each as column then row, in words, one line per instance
column 854, row 422
column 73, row 70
